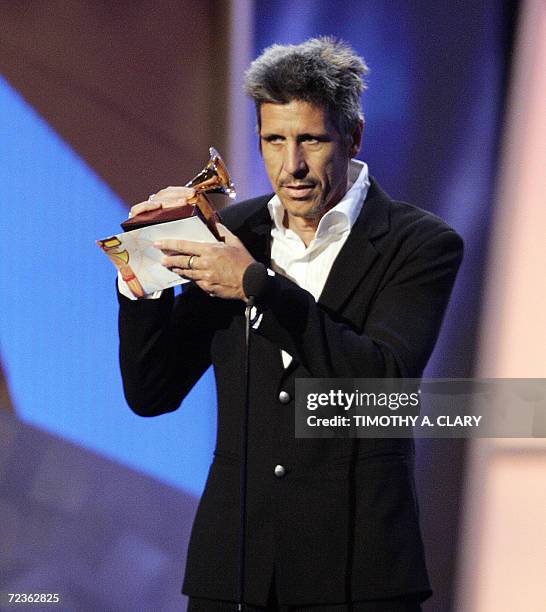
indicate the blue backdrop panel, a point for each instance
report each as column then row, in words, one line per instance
column 382, row 41
column 432, row 117
column 432, row 126
column 58, row 327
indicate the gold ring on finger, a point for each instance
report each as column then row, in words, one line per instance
column 190, row 262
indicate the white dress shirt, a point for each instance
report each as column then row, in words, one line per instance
column 309, row 266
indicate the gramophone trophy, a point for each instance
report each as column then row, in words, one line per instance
column 214, row 178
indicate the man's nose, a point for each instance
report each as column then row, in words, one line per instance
column 294, row 160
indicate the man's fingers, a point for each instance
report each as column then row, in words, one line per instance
column 184, row 262
column 173, row 193
column 178, row 265
column 187, row 247
column 137, row 209
column 174, row 203
column 141, row 207
column 170, row 197
column 202, row 278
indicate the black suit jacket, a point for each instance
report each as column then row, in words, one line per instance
column 342, row 524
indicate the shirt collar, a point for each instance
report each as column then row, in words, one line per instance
column 342, row 216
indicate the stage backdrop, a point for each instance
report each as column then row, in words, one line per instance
column 102, row 104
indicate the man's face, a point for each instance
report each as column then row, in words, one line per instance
column 305, row 157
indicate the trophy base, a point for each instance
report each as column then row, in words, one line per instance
column 161, row 215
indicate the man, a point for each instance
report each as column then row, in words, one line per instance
column 357, row 285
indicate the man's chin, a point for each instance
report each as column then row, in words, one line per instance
column 305, row 208
column 303, row 212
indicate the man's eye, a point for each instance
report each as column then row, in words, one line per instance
column 312, row 141
column 273, row 139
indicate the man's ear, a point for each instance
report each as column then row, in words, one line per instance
column 356, row 138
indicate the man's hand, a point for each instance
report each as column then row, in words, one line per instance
column 217, row 268
column 170, row 197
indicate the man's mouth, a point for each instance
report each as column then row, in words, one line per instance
column 298, row 191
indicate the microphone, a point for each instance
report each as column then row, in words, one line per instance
column 254, row 287
column 255, row 280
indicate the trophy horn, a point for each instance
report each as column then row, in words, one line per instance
column 214, row 178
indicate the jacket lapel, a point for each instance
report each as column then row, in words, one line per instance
column 358, row 252
column 355, row 258
column 257, row 237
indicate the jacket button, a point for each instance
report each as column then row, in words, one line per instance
column 284, row 397
column 279, row 471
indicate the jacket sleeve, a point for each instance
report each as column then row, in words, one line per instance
column 164, row 348
column 401, row 324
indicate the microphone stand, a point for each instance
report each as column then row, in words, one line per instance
column 244, row 460
column 255, row 281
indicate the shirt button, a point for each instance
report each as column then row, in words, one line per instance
column 284, row 397
column 279, row 471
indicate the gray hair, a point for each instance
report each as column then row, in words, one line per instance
column 323, row 71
